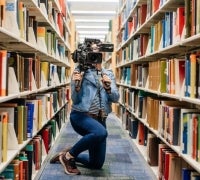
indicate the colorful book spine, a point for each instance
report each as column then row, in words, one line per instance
column 193, row 75
column 3, row 72
column 4, row 117
column 187, row 76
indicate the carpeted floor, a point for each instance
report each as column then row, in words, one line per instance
column 123, row 160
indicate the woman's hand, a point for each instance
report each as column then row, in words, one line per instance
column 106, row 81
column 77, row 77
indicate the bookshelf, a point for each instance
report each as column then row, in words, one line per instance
column 157, row 68
column 35, row 48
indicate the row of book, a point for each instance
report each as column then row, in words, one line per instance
column 178, row 76
column 176, row 122
column 29, row 160
column 173, row 26
column 170, row 165
column 26, row 26
column 21, row 119
column 21, row 17
column 25, row 72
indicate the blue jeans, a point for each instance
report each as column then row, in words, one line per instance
column 93, row 139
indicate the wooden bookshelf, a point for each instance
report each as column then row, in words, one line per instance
column 154, row 58
column 43, row 41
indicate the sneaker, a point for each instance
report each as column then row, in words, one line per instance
column 55, row 158
column 69, row 165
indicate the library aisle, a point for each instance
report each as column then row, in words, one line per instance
column 123, row 160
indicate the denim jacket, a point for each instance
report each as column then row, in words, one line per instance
column 83, row 98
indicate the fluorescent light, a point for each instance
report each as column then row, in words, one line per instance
column 93, row 12
column 92, row 27
column 101, row 1
column 92, row 20
column 91, row 36
column 93, row 32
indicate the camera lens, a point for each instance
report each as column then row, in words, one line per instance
column 94, row 58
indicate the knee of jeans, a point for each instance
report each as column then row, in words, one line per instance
column 102, row 135
column 96, row 165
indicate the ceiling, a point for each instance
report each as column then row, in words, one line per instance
column 92, row 17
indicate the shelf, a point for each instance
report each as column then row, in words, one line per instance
column 52, row 98
column 132, row 69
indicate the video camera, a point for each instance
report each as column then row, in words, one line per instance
column 90, row 52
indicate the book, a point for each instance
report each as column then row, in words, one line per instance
column 186, row 115
column 24, row 159
column 30, row 117
column 198, row 143
column 11, row 20
column 2, row 11
column 179, row 76
column 28, row 62
column 20, row 124
column 47, row 137
column 25, row 112
column 45, row 72
column 180, row 22
column 167, row 154
column 60, row 24
column 187, row 76
column 3, row 73
column 33, row 24
column 187, row 18
column 16, row 166
column 8, row 172
column 29, row 153
column 193, row 17
column 35, row 113
column 21, row 19
column 11, row 108
column 52, row 122
column 134, row 128
column 171, row 76
column 193, row 75
column 173, row 130
column 198, row 17
column 4, row 119
column 175, row 167
column 37, row 71
column 41, row 35
column 163, row 76
column 142, row 134
column 161, row 161
column 1, row 138
column 194, row 135
column 37, row 149
column 152, row 149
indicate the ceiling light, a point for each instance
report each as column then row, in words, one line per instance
column 92, row 27
column 101, row 1
column 92, row 20
column 93, row 35
column 93, row 12
column 94, row 32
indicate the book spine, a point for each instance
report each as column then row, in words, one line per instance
column 4, row 116
column 3, row 72
column 193, row 75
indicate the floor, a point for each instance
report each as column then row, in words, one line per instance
column 123, row 160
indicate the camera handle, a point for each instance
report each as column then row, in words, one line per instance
column 78, row 82
column 107, row 84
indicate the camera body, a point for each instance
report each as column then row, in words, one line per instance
column 90, row 52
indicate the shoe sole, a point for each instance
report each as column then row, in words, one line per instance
column 66, row 171
column 55, row 158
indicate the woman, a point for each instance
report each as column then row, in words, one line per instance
column 92, row 101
